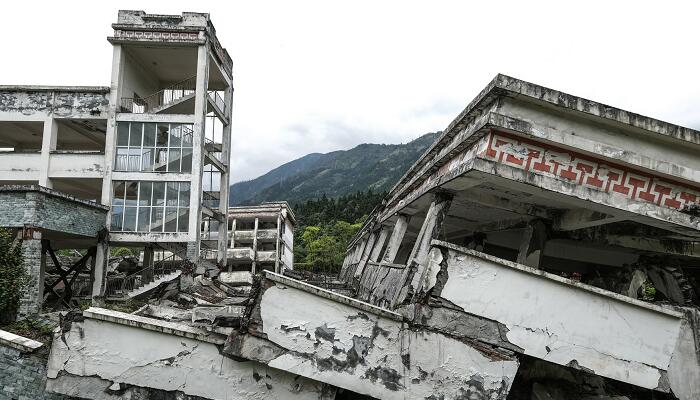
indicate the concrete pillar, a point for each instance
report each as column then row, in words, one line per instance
column 532, row 244
column 99, row 271
column 417, row 261
column 35, row 265
column 148, row 257
column 379, row 243
column 48, row 144
column 277, row 244
column 110, row 133
column 225, row 176
column 392, row 248
column 371, row 240
column 200, row 111
column 255, row 246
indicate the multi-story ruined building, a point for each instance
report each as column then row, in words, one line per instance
column 139, row 161
column 261, row 237
column 545, row 247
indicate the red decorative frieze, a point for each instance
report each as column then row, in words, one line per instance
column 156, row 35
column 544, row 159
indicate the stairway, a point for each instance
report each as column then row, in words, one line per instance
column 142, row 281
column 165, row 100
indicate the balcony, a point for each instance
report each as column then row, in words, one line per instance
column 263, row 234
column 266, row 256
column 240, row 254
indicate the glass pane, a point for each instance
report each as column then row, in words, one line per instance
column 158, row 193
column 147, row 158
column 121, row 162
column 117, row 217
column 118, row 194
column 171, row 198
column 149, row 135
column 184, row 194
column 157, row 219
column 134, row 163
column 162, row 135
column 174, row 160
column 122, row 133
column 175, row 132
column 170, row 219
column 131, row 193
column 215, row 181
column 145, row 193
column 183, row 219
column 161, row 160
column 144, row 219
column 135, row 134
column 187, row 135
column 129, row 219
column 206, row 181
column 186, row 160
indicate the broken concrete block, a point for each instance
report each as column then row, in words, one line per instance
column 236, row 278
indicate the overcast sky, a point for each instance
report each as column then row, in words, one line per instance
column 328, row 75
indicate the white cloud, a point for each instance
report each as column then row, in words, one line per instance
column 318, row 76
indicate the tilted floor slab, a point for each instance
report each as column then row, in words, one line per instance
column 334, row 339
column 565, row 322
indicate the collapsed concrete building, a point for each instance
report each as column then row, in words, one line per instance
column 142, row 163
column 544, row 247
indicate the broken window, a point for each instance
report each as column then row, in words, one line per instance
column 159, row 147
column 150, row 206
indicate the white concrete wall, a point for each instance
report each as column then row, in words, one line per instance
column 653, row 152
column 332, row 341
column 20, row 166
column 77, row 165
column 135, row 356
column 560, row 321
column 137, row 79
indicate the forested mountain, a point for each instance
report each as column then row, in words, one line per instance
column 374, row 167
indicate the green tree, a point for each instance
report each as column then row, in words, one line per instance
column 13, row 276
column 324, row 254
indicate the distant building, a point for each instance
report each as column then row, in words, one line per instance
column 261, row 237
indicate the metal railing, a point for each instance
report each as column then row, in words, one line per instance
column 166, row 96
column 120, row 286
column 218, row 100
column 211, row 199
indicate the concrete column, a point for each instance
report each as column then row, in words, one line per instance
column 417, row 261
column 48, row 144
column 255, row 245
column 371, row 240
column 99, row 274
column 200, row 111
column 379, row 244
column 225, row 177
column 277, row 244
column 392, row 248
column 532, row 244
column 148, row 262
column 35, row 265
column 111, row 131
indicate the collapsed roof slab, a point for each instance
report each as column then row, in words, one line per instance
column 366, row 349
column 105, row 353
